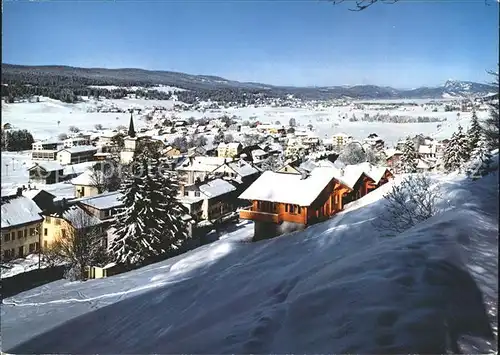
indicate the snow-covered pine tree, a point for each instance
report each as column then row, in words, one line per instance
column 150, row 222
column 480, row 159
column 474, row 132
column 409, row 158
column 456, row 152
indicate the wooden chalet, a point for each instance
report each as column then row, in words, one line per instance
column 282, row 202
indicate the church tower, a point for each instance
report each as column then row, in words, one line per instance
column 129, row 142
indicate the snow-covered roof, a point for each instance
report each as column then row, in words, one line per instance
column 80, row 149
column 78, row 168
column 258, row 152
column 426, row 149
column 47, row 166
column 243, row 168
column 206, row 164
column 104, row 201
column 422, row 164
column 19, row 210
column 216, row 188
column 79, row 218
column 373, row 172
column 87, row 178
column 391, row 152
column 289, row 188
column 34, row 192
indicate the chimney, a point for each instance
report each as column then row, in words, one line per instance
column 19, row 191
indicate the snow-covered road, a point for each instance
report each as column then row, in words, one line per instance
column 337, row 287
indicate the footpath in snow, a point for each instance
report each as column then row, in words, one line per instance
column 336, row 287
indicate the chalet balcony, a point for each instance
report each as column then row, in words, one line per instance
column 247, row 213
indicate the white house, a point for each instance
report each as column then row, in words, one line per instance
column 75, row 155
column 341, row 139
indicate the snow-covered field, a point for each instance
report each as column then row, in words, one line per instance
column 337, row 287
column 42, row 118
column 15, row 174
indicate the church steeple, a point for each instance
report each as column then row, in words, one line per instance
column 131, row 130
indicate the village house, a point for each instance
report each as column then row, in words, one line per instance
column 103, row 206
column 393, row 157
column 259, row 155
column 241, row 173
column 209, row 200
column 283, row 202
column 68, row 220
column 171, row 152
column 76, row 141
column 229, row 150
column 46, row 172
column 339, row 140
column 76, row 155
column 21, row 226
column 47, row 145
column 196, row 168
column 87, row 183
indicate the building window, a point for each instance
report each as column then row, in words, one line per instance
column 31, row 248
column 6, row 237
column 13, row 235
column 25, row 233
column 21, row 251
column 197, row 193
column 45, row 232
column 63, row 233
column 107, row 213
column 57, row 221
column 47, row 219
column 186, row 193
column 37, row 246
column 45, row 244
column 7, row 254
column 32, row 231
column 19, row 234
column 286, row 207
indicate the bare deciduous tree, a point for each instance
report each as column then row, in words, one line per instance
column 99, row 127
column 62, row 136
column 80, row 247
column 412, row 201
column 74, row 129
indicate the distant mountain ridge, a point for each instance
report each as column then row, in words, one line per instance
column 21, row 74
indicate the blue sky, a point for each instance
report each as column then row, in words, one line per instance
column 302, row 43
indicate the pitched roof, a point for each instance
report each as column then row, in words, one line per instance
column 47, row 166
column 216, row 188
column 373, row 172
column 289, row 188
column 87, row 178
column 80, row 148
column 19, row 210
column 104, row 201
column 78, row 217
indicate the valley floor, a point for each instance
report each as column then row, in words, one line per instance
column 337, row 287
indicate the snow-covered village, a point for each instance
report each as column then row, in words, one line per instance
column 163, row 212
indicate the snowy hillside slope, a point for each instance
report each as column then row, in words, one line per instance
column 335, row 287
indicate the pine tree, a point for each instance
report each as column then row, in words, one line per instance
column 474, row 132
column 409, row 158
column 456, row 152
column 150, row 223
column 480, row 159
